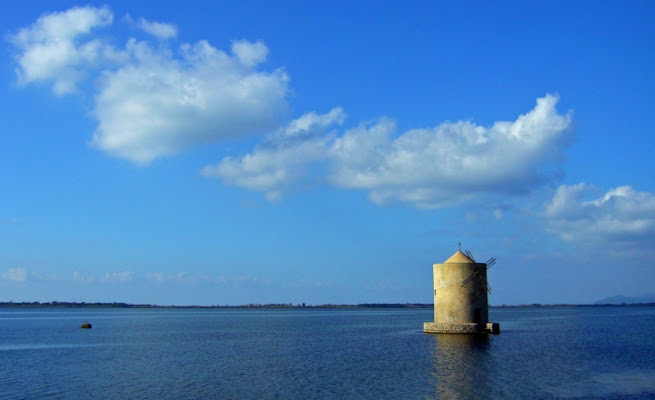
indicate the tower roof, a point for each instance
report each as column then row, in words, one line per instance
column 459, row 257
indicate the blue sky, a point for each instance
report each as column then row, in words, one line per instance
column 289, row 152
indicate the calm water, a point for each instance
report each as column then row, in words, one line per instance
column 604, row 353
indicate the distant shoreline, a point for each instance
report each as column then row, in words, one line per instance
column 65, row 304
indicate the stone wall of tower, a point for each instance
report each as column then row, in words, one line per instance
column 455, row 303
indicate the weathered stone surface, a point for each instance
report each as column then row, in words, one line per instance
column 441, row 327
column 460, row 297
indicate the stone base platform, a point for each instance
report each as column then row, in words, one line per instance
column 446, row 327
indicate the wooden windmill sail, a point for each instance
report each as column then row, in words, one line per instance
column 477, row 272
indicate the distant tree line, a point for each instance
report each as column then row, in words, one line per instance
column 69, row 304
column 72, row 304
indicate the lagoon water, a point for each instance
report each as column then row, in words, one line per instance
column 541, row 353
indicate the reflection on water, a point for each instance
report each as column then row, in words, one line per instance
column 461, row 366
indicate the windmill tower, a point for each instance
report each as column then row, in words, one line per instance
column 460, row 296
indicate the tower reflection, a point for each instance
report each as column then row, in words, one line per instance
column 461, row 366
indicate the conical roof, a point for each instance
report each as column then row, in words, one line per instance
column 459, row 257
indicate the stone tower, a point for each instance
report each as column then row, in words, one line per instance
column 460, row 297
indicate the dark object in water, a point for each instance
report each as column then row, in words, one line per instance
column 86, row 325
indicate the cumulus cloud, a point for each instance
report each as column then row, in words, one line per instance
column 157, row 104
column 620, row 215
column 153, row 100
column 15, row 274
column 52, row 47
column 453, row 161
column 427, row 167
column 160, row 30
column 282, row 160
column 249, row 53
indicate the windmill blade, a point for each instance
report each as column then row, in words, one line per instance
column 482, row 277
column 484, row 284
column 469, row 255
column 467, row 280
column 483, row 281
column 477, row 273
column 491, row 262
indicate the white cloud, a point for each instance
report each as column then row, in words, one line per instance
column 158, row 104
column 51, row 49
column 249, row 53
column 107, row 277
column 156, row 276
column 428, row 167
column 125, row 276
column 78, row 276
column 152, row 100
column 283, row 159
column 620, row 215
column 159, row 30
column 192, row 278
column 15, row 274
column 454, row 161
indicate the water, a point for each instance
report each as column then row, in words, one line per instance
column 541, row 353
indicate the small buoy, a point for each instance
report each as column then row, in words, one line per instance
column 86, row 325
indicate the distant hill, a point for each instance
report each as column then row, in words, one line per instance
column 649, row 298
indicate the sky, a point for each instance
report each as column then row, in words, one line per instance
column 216, row 153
